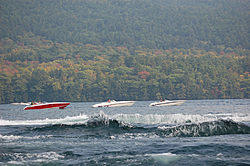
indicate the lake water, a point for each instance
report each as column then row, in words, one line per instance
column 199, row 132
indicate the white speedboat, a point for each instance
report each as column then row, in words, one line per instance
column 168, row 103
column 114, row 103
column 60, row 105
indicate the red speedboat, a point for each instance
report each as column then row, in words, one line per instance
column 60, row 105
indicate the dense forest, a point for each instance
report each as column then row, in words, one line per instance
column 95, row 50
column 164, row 24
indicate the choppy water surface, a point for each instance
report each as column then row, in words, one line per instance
column 199, row 132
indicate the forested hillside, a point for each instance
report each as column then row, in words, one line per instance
column 164, row 24
column 65, row 72
column 95, row 50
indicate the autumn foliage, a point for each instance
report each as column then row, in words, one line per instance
column 66, row 72
column 143, row 74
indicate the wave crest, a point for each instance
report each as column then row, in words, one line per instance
column 102, row 119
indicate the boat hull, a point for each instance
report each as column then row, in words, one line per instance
column 59, row 105
column 115, row 104
column 168, row 103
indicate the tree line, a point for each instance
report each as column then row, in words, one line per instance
column 51, row 71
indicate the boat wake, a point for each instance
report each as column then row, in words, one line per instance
column 66, row 120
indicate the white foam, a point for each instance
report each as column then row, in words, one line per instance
column 67, row 120
column 34, row 157
column 165, row 158
column 14, row 137
column 164, row 154
column 179, row 118
column 235, row 117
column 10, row 137
column 219, row 154
column 193, row 155
column 15, row 163
column 138, row 136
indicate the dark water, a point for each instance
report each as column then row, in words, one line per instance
column 199, row 132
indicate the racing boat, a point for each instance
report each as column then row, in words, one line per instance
column 46, row 105
column 113, row 103
column 168, row 103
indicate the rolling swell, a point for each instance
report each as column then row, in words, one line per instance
column 95, row 121
column 98, row 126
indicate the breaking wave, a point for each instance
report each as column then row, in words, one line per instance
column 179, row 118
column 101, row 125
